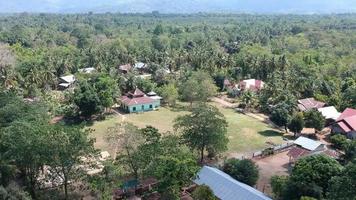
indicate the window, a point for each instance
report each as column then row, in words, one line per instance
column 143, row 107
column 150, row 106
column 134, row 108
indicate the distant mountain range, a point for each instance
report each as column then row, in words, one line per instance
column 179, row 6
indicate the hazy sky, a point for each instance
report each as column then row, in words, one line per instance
column 186, row 6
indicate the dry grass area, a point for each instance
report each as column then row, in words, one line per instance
column 245, row 133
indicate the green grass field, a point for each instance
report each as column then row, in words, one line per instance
column 245, row 133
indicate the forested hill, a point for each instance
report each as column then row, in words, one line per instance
column 179, row 6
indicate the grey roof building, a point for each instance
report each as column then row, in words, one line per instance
column 227, row 188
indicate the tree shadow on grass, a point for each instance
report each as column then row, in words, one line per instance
column 271, row 133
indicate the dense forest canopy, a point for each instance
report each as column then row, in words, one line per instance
column 181, row 6
column 190, row 58
column 304, row 55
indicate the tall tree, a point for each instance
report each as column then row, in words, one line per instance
column 169, row 94
column 107, row 90
column 205, row 128
column 67, row 145
column 126, row 138
column 198, row 87
column 296, row 124
column 314, row 119
column 280, row 115
column 87, row 99
column 342, row 187
column 24, row 143
column 310, row 176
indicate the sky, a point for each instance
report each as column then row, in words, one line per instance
column 179, row 6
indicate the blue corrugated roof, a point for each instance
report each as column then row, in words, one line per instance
column 227, row 188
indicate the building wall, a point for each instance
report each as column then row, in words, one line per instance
column 143, row 107
column 352, row 135
column 337, row 129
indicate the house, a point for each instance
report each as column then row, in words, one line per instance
column 304, row 147
column 141, row 67
column 225, row 187
column 346, row 123
column 137, row 101
column 252, row 85
column 330, row 113
column 66, row 81
column 308, row 132
column 309, row 144
column 309, row 104
column 153, row 95
column 125, row 68
column 87, row 70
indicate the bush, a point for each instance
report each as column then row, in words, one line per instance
column 268, row 151
column 278, row 184
column 203, row 192
column 339, row 141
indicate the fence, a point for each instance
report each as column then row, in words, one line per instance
column 272, row 150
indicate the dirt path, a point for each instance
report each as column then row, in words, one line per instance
column 223, row 102
column 123, row 117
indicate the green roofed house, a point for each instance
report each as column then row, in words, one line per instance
column 137, row 101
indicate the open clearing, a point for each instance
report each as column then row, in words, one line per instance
column 245, row 133
column 277, row 164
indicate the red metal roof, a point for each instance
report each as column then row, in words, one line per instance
column 309, row 103
column 136, row 93
column 348, row 112
column 351, row 122
column 297, row 152
column 126, row 67
column 136, row 101
column 343, row 126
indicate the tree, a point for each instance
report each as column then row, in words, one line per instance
column 343, row 187
column 24, row 143
column 248, row 98
column 278, row 184
column 158, row 29
column 67, row 145
column 244, row 170
column 146, row 85
column 169, row 94
column 87, row 100
column 280, row 115
column 310, row 176
column 13, row 192
column 296, row 124
column 126, row 138
column 203, row 192
column 339, row 141
column 314, row 119
column 199, row 87
column 350, row 151
column 107, row 90
column 205, row 128
column 174, row 171
column 189, row 91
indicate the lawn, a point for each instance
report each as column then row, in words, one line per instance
column 162, row 119
column 245, row 133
